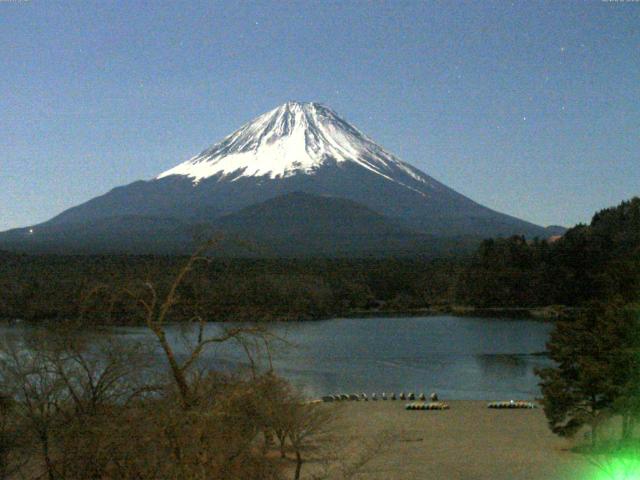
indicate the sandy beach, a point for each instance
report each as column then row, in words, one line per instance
column 467, row 442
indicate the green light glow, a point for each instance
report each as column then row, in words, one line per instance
column 619, row 473
column 618, row 466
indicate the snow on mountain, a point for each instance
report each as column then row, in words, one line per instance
column 291, row 139
column 301, row 159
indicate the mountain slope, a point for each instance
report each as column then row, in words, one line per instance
column 300, row 224
column 118, row 234
column 291, row 225
column 297, row 147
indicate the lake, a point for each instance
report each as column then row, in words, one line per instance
column 457, row 357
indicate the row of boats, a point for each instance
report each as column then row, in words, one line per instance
column 445, row 406
column 512, row 404
column 374, row 396
column 419, row 402
column 427, row 406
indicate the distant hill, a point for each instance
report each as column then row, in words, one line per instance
column 300, row 224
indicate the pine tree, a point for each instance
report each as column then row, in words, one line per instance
column 597, row 372
column 624, row 325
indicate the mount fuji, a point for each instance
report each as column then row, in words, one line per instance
column 301, row 166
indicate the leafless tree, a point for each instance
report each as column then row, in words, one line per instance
column 156, row 313
column 345, row 458
column 66, row 389
column 39, row 395
column 308, row 427
column 90, row 405
column 12, row 456
column 98, row 370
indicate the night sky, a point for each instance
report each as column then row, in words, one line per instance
column 530, row 108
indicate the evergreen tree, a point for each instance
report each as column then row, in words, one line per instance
column 625, row 326
column 597, row 372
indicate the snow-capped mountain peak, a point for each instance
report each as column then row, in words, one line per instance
column 287, row 173
column 291, row 139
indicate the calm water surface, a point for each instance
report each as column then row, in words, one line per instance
column 460, row 358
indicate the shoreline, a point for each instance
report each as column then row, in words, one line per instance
column 549, row 313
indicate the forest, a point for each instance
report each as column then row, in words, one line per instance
column 599, row 261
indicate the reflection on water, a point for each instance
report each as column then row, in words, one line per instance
column 513, row 366
column 463, row 358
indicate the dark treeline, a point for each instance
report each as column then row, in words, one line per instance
column 49, row 287
column 598, row 261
